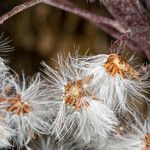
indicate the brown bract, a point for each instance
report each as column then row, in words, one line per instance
column 75, row 93
column 17, row 106
column 147, row 141
column 2, row 99
column 117, row 64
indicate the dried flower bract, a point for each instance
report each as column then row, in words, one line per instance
column 18, row 106
column 117, row 64
column 74, row 91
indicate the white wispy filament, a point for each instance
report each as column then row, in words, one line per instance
column 7, row 134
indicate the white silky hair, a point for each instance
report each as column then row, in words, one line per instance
column 5, row 44
column 7, row 134
column 115, row 90
column 48, row 143
column 4, row 47
column 134, row 139
column 36, row 121
column 131, row 142
column 95, row 121
column 3, row 68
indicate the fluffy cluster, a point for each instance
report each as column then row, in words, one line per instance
column 84, row 103
column 24, row 107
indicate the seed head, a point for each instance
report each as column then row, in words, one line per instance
column 74, row 90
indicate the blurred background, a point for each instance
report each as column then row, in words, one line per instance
column 41, row 32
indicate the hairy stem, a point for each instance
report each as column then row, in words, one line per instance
column 18, row 9
column 110, row 26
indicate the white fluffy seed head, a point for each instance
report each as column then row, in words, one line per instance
column 116, row 80
column 79, row 112
column 27, row 109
